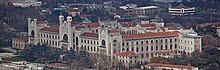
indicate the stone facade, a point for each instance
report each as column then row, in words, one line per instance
column 118, row 40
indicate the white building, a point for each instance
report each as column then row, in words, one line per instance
column 20, row 42
column 181, row 10
column 27, row 3
column 114, row 39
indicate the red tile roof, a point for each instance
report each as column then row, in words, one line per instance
column 89, row 34
column 58, row 65
column 151, row 35
column 218, row 27
column 147, row 25
column 169, row 66
column 113, row 31
column 128, row 24
column 127, row 54
column 42, row 22
column 50, row 29
column 23, row 38
column 84, row 25
column 151, row 28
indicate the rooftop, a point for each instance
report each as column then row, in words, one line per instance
column 127, row 54
column 50, row 29
column 24, row 38
column 86, row 25
column 89, row 34
column 151, row 35
column 113, row 31
column 170, row 66
column 147, row 25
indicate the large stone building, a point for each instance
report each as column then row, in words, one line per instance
column 126, row 42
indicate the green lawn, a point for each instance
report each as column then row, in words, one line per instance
column 16, row 58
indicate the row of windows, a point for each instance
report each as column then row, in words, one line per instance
column 150, row 41
column 186, row 42
column 89, row 42
column 157, row 47
column 89, row 48
column 18, row 45
column 49, row 36
column 50, row 42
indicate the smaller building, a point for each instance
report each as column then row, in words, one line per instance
column 27, row 3
column 181, row 10
column 128, row 58
column 15, row 65
column 156, row 66
column 145, row 10
column 73, row 11
column 20, row 42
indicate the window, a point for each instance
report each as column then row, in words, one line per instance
column 137, row 43
column 166, row 40
column 170, row 40
column 103, row 42
column 127, row 43
column 152, row 48
column 165, row 46
column 146, row 48
column 171, row 46
column 161, row 47
column 137, row 50
column 142, row 49
column 146, row 42
column 142, row 42
column 156, row 41
column 123, row 43
column 175, row 46
column 175, row 40
column 161, row 41
column 32, row 33
column 65, row 38
column 132, row 49
column 152, row 41
column 156, row 47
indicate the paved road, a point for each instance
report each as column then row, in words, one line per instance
column 10, row 49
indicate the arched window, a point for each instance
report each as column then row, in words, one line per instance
column 171, row 40
column 147, row 48
column 127, row 43
column 65, row 38
column 103, row 42
column 142, row 49
column 171, row 46
column 161, row 47
column 137, row 43
column 175, row 46
column 156, row 47
column 132, row 48
column 77, row 41
column 137, row 50
column 142, row 42
column 32, row 33
column 114, row 43
column 165, row 46
column 152, row 48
